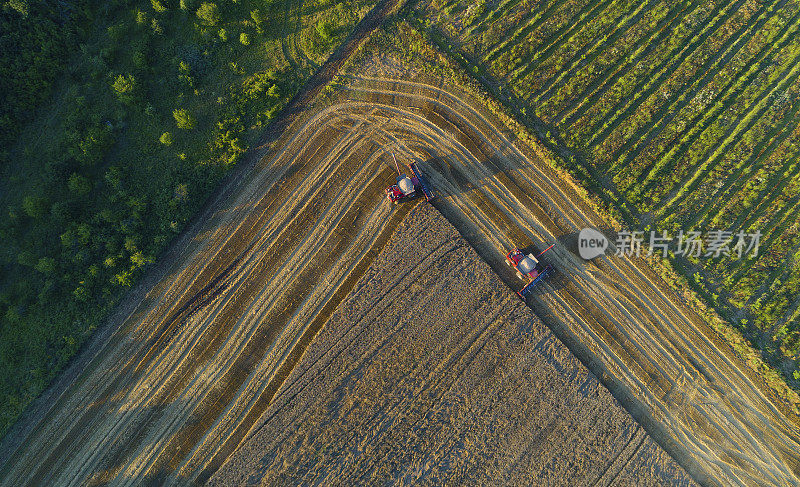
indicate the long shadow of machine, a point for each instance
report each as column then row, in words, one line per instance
column 463, row 179
column 571, row 242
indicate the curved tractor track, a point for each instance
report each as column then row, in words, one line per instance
column 687, row 386
column 182, row 382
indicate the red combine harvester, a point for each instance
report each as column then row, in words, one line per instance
column 408, row 188
column 529, row 267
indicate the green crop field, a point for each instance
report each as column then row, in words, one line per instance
column 683, row 115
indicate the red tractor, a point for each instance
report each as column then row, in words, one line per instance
column 408, row 188
column 528, row 267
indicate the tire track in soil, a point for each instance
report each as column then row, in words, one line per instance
column 665, row 312
column 397, row 411
column 256, row 252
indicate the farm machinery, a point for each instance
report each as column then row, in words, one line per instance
column 528, row 267
column 408, row 188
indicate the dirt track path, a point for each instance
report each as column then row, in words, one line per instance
column 176, row 390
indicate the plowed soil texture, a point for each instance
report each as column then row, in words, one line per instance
column 433, row 373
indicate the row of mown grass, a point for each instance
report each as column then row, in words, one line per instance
column 679, row 114
column 157, row 102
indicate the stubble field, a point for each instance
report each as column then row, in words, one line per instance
column 173, row 393
column 433, row 373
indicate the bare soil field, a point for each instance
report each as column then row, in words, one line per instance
column 432, row 373
column 186, row 376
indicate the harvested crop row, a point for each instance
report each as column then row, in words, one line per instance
column 644, row 335
column 413, row 380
